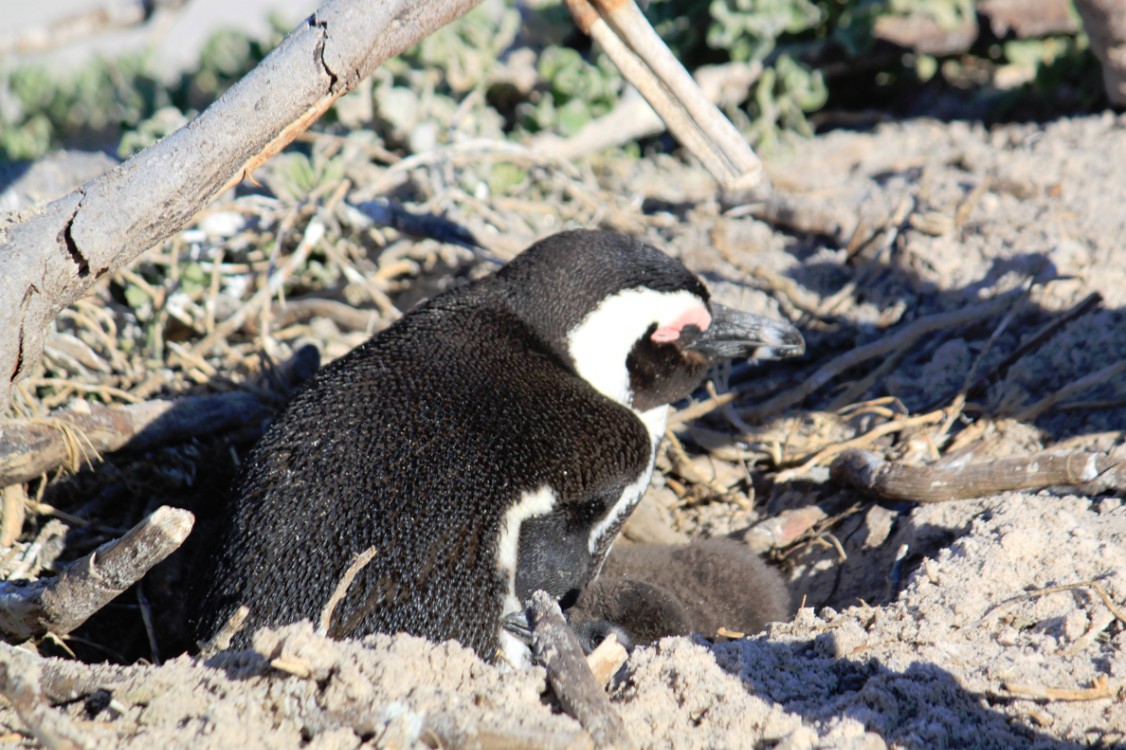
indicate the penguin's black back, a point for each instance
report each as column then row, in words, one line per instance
column 416, row 444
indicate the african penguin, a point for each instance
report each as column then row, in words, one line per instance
column 646, row 592
column 488, row 444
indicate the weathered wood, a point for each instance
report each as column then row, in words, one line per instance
column 51, row 255
column 962, row 479
column 645, row 61
column 579, row 693
column 60, row 604
column 1105, row 24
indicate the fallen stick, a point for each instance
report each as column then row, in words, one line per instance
column 579, row 693
column 960, row 479
column 1086, row 305
column 80, row 432
column 821, row 457
column 1108, row 373
column 62, row 603
column 1117, row 612
column 1100, row 690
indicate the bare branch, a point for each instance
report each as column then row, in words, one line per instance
column 576, row 688
column 51, row 255
column 60, row 604
column 644, row 60
column 960, row 479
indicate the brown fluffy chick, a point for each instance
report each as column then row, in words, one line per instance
column 649, row 591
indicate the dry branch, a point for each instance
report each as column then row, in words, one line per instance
column 79, row 432
column 960, row 479
column 576, row 688
column 51, row 255
column 60, row 604
column 1105, row 24
column 644, row 60
column 1100, row 690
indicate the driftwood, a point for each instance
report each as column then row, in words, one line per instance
column 51, row 255
column 962, row 479
column 570, row 677
column 60, row 604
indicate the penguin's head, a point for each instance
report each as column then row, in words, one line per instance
column 633, row 322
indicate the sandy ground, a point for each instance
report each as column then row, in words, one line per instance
column 956, row 645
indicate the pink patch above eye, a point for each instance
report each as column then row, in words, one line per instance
column 697, row 316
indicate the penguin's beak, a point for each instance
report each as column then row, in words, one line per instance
column 734, row 334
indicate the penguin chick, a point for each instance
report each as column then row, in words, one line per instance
column 488, row 444
column 650, row 591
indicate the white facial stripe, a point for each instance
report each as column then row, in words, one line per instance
column 654, row 421
column 600, row 344
column 535, row 503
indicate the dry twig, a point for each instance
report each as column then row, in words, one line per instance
column 1100, row 689
column 1089, row 380
column 358, row 563
column 578, row 692
column 960, row 479
column 896, row 425
column 61, row 604
column 79, row 432
column 644, row 60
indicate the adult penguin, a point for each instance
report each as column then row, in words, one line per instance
column 488, row 444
